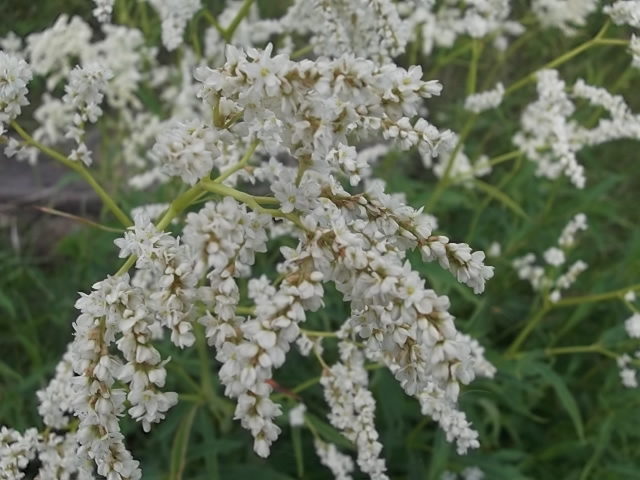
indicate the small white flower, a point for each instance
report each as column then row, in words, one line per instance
column 15, row 73
column 554, row 256
column 296, row 415
column 632, row 325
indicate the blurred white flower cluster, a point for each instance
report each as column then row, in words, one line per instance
column 552, row 139
column 546, row 278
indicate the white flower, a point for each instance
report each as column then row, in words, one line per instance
column 81, row 154
column 494, row 250
column 564, row 14
column 295, row 197
column 624, row 12
column 634, row 48
column 567, row 238
column 103, row 10
column 15, row 73
column 341, row 465
column 479, row 102
column 632, row 325
column 174, row 14
column 554, row 256
column 85, row 90
column 187, row 150
column 296, row 415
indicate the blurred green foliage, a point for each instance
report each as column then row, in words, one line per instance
column 542, row 417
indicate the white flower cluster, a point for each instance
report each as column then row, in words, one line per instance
column 366, row 28
column 15, row 73
column 103, row 10
column 54, row 51
column 187, row 150
column 567, row 15
column 479, row 102
column 462, row 171
column 628, row 375
column 552, row 140
column 629, row 364
column 259, row 117
column 353, row 408
column 624, row 12
column 546, row 279
column 84, row 94
column 174, row 15
column 54, row 453
column 469, row 473
column 545, row 137
column 341, row 465
column 440, row 24
column 112, row 69
column 634, row 48
column 311, row 107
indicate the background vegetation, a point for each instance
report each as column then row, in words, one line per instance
column 555, row 409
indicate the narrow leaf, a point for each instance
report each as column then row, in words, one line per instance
column 564, row 395
column 501, row 197
column 327, row 432
column 78, row 219
column 180, row 444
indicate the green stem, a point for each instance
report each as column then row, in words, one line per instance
column 560, row 60
column 491, row 76
column 612, row 41
column 504, row 157
column 183, row 201
column 531, row 324
column 312, row 333
column 301, row 52
column 444, row 61
column 567, row 302
column 251, row 201
column 240, row 165
column 195, row 40
column 414, row 47
column 79, row 168
column 213, row 21
column 466, row 129
column 231, row 29
column 595, row 348
column 472, row 78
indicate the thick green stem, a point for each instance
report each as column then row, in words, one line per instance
column 243, row 12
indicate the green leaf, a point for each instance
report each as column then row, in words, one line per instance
column 296, row 437
column 329, row 433
column 564, row 395
column 180, row 444
column 501, row 197
column 439, row 456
